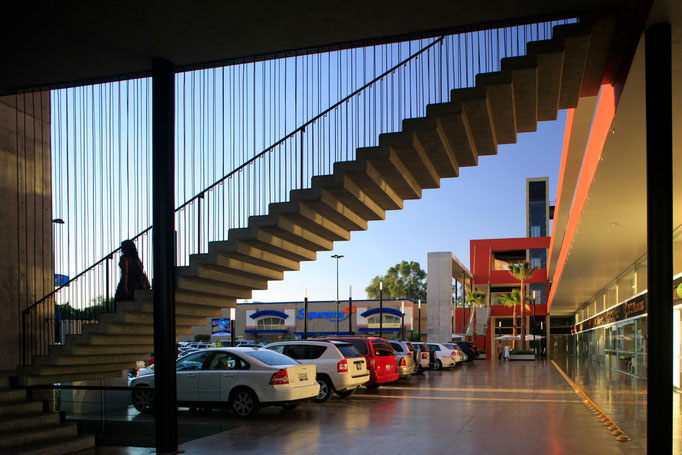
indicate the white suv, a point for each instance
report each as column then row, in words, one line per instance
column 445, row 356
column 340, row 367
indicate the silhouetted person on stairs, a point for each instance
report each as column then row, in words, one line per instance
column 132, row 273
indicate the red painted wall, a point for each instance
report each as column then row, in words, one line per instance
column 481, row 260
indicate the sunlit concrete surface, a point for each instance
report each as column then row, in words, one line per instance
column 482, row 408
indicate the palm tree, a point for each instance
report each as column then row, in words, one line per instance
column 512, row 301
column 476, row 299
column 522, row 272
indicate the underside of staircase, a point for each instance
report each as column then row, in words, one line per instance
column 553, row 75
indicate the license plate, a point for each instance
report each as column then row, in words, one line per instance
column 302, row 377
column 388, row 367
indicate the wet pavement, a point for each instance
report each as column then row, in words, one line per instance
column 485, row 407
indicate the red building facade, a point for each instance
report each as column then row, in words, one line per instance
column 490, row 259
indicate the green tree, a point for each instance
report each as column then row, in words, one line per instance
column 403, row 281
column 522, row 272
column 476, row 299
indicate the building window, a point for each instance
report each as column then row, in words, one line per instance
column 270, row 323
column 390, row 321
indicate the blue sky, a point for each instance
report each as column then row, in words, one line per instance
column 487, row 201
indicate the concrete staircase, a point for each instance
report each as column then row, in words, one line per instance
column 553, row 75
column 26, row 428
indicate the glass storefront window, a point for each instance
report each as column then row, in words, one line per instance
column 641, row 274
column 611, row 297
column 677, row 251
column 626, row 285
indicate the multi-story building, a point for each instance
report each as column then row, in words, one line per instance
column 491, row 258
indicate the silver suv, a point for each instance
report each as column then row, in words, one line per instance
column 423, row 354
column 340, row 367
column 404, row 357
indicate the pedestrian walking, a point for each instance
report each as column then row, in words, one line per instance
column 132, row 273
column 500, row 351
column 506, row 352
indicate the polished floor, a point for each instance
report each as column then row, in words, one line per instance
column 485, row 407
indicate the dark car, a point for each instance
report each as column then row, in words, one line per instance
column 469, row 348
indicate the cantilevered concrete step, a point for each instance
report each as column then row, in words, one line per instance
column 35, row 434
column 29, row 420
column 17, row 408
column 56, row 446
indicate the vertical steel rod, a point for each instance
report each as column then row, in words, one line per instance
column 381, row 310
column 659, row 181
column 165, row 353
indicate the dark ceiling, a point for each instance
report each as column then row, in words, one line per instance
column 48, row 44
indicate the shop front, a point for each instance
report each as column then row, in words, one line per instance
column 274, row 321
column 617, row 337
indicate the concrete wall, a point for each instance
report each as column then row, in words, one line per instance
column 439, row 296
column 26, row 269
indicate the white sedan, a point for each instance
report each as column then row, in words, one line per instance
column 445, row 357
column 244, row 379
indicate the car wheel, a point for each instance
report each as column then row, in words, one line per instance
column 245, row 403
column 437, row 365
column 373, row 386
column 143, row 399
column 325, row 390
column 345, row 393
column 290, row 406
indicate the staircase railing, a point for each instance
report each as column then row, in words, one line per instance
column 403, row 91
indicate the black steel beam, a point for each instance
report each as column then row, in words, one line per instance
column 165, row 353
column 659, row 182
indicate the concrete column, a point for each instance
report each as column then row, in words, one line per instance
column 163, row 190
column 27, row 268
column 659, row 176
column 547, row 340
column 439, row 297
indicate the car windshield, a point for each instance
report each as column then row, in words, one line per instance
column 348, row 350
column 271, row 357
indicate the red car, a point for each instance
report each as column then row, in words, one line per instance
column 380, row 358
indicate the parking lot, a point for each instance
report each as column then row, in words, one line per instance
column 480, row 407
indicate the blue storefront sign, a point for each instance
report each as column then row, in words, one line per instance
column 220, row 326
column 331, row 315
column 60, row 280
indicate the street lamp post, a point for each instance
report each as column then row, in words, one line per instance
column 402, row 321
column 337, row 257
column 419, row 323
column 305, row 315
column 350, row 310
column 381, row 309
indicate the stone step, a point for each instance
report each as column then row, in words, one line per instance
column 11, row 395
column 57, row 446
column 29, row 420
column 19, row 408
column 34, row 434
